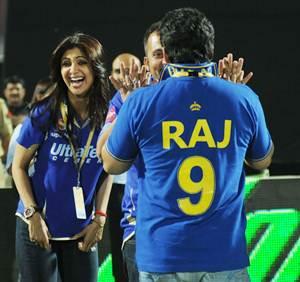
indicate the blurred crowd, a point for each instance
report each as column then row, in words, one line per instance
column 14, row 107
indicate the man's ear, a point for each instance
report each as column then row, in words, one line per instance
column 146, row 63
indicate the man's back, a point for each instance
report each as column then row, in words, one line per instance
column 193, row 135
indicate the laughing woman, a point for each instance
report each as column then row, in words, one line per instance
column 61, row 214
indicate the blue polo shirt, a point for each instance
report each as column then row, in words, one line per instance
column 55, row 174
column 129, row 200
column 192, row 135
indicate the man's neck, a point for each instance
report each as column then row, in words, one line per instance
column 16, row 109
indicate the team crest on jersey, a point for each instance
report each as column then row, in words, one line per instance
column 195, row 107
column 111, row 115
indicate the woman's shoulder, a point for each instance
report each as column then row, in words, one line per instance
column 41, row 113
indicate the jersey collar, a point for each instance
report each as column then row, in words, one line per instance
column 184, row 70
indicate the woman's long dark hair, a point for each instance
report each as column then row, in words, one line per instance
column 99, row 92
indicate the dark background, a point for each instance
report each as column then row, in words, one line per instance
column 263, row 32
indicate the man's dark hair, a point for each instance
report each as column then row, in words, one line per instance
column 14, row 79
column 187, row 36
column 45, row 80
column 155, row 27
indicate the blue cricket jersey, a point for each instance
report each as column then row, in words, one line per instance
column 55, row 174
column 114, row 106
column 129, row 201
column 192, row 135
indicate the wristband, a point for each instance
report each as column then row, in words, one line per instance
column 101, row 213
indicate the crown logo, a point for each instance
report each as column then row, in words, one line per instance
column 195, row 107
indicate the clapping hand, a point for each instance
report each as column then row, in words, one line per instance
column 130, row 80
column 232, row 70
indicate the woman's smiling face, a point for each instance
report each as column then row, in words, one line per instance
column 76, row 72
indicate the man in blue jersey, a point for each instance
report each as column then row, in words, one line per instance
column 192, row 133
column 123, row 65
column 116, row 196
column 153, row 61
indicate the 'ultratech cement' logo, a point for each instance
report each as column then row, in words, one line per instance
column 63, row 151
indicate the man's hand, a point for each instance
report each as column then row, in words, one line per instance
column 38, row 231
column 129, row 81
column 232, row 70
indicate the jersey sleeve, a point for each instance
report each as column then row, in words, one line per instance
column 31, row 132
column 261, row 143
column 12, row 146
column 121, row 143
column 114, row 107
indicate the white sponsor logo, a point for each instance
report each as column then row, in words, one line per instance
column 63, row 151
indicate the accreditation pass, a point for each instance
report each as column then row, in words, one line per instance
column 79, row 202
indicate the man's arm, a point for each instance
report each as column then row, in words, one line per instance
column 111, row 164
column 103, row 138
column 128, row 82
column 262, row 164
column 232, row 70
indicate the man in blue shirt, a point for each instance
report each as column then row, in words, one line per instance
column 192, row 133
column 114, row 206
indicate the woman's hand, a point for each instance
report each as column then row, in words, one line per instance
column 91, row 234
column 38, row 231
